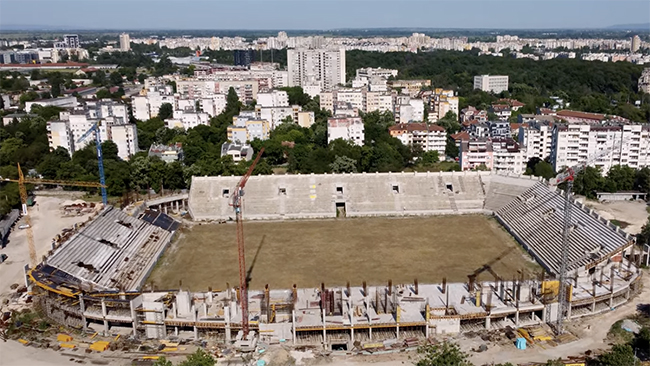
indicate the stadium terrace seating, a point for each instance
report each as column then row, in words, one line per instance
column 536, row 220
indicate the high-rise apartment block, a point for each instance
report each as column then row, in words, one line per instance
column 125, row 42
column 71, row 40
column 316, row 70
column 635, row 44
column 491, row 83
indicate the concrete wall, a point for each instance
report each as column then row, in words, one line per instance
column 365, row 194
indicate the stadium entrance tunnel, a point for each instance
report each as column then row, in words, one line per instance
column 340, row 209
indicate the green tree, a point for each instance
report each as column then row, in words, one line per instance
column 445, row 354
column 343, row 164
column 103, row 94
column 544, row 169
column 451, row 149
column 429, row 158
column 199, row 358
column 620, row 178
column 116, row 78
column 588, row 181
column 166, row 111
column 162, row 361
column 450, row 123
column 99, row 78
column 233, row 105
column 620, row 355
column 297, row 95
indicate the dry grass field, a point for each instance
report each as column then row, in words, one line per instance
column 336, row 251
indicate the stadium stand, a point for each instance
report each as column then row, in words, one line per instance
column 536, row 217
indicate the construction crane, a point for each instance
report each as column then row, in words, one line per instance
column 568, row 176
column 23, row 199
column 243, row 278
column 100, row 158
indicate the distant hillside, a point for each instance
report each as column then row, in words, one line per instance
column 638, row 26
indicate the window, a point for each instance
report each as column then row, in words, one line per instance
column 225, row 192
column 450, row 187
column 282, row 191
column 339, row 190
column 395, row 189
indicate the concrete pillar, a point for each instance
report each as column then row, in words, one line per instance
column 517, row 317
column 165, row 206
column 104, row 313
column 397, row 330
column 176, row 206
column 544, row 313
column 82, row 307
column 174, row 309
column 293, row 325
column 370, row 333
column 226, row 314
column 176, row 331
column 568, row 311
column 134, row 319
column 324, row 331
column 487, row 322
column 196, row 330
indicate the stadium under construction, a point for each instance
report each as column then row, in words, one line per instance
column 94, row 276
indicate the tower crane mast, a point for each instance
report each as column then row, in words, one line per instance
column 100, row 158
column 568, row 176
column 237, row 205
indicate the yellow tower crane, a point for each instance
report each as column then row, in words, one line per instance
column 23, row 199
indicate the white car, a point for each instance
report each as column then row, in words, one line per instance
column 23, row 226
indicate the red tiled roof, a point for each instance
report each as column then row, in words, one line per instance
column 584, row 115
column 66, row 64
column 462, row 136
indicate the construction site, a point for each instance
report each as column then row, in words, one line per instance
column 339, row 261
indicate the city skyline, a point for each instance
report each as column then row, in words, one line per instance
column 321, row 15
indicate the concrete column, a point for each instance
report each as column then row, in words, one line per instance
column 226, row 314
column 517, row 317
column 544, row 313
column 176, row 206
column 568, row 311
column 487, row 322
column 82, row 307
column 293, row 325
column 397, row 330
column 165, row 206
column 196, row 330
column 174, row 310
column 324, row 330
column 176, row 331
column 134, row 319
column 370, row 332
column 104, row 313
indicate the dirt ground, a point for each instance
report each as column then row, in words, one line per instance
column 336, row 251
column 631, row 214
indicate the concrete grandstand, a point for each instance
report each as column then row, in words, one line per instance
column 104, row 291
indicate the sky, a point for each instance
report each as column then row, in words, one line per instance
column 322, row 14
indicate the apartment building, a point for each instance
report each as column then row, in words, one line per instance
column 316, row 70
column 360, row 98
column 306, row 119
column 213, row 105
column 536, row 138
column 429, row 137
column 369, row 72
column 246, row 128
column 410, row 87
column 507, row 156
column 602, row 145
column 125, row 42
column 409, row 110
column 167, row 153
column 475, row 153
column 238, row 152
column 441, row 102
column 275, row 115
column 112, row 118
column 147, row 104
column 491, row 83
column 187, row 118
column 274, row 98
column 347, row 128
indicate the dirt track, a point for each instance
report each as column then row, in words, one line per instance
column 336, row 251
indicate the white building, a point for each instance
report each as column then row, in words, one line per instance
column 491, row 83
column 146, row 106
column 316, row 70
column 619, row 144
column 644, row 81
column 359, row 98
column 71, row 40
column 246, row 128
column 125, row 42
column 126, row 138
column 429, row 137
column 536, row 139
column 238, row 152
column 113, row 121
column 508, row 156
column 369, row 72
column 274, row 98
column 306, row 119
column 187, row 118
column 409, row 110
column 213, row 105
column 349, row 128
column 275, row 115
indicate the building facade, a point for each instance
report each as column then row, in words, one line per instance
column 428, row 137
column 491, row 83
column 348, row 128
column 316, row 70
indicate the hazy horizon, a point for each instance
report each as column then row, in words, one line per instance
column 320, row 14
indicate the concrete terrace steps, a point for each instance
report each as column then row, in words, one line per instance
column 274, row 197
column 536, row 218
